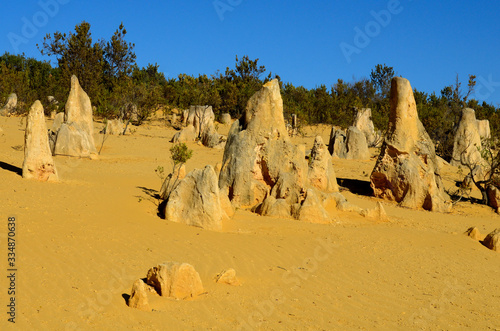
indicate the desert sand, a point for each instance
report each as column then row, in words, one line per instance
column 84, row 240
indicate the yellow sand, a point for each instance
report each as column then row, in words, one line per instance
column 82, row 242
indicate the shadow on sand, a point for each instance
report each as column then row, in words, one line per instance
column 356, row 186
column 10, row 167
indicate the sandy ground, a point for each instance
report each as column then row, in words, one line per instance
column 81, row 242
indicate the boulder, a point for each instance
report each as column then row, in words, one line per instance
column 58, row 121
column 356, row 146
column 185, row 135
column 363, row 122
column 467, row 143
column 138, row 298
column 259, row 158
column 225, row 118
column 321, row 174
column 76, row 135
column 493, row 195
column 492, row 240
column 175, row 280
column 172, row 180
column 473, row 233
column 38, row 162
column 350, row 144
column 115, row 127
column 74, row 141
column 227, row 277
column 312, row 210
column 210, row 138
column 196, row 201
column 484, row 129
column 407, row 169
column 10, row 105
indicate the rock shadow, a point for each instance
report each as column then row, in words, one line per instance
column 12, row 168
column 356, row 186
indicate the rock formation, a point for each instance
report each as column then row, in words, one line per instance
column 115, row 127
column 263, row 171
column 259, row 159
column 10, row 105
column 484, row 129
column 38, row 162
column 363, row 122
column 225, row 118
column 350, row 145
column 175, row 280
column 467, row 144
column 492, row 240
column 196, row 201
column 75, row 137
column 228, row 277
column 320, row 173
column 199, row 124
column 139, row 297
column 407, row 169
column 473, row 233
column 171, row 181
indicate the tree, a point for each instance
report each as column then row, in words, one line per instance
column 381, row 78
column 76, row 54
column 118, row 54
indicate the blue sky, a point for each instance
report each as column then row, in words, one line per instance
column 307, row 43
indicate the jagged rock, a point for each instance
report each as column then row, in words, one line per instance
column 38, row 162
column 225, row 118
column 172, row 180
column 10, row 105
column 139, row 297
column 58, row 121
column 484, row 129
column 185, row 135
column 75, row 137
column 321, row 174
column 227, row 277
column 467, row 144
column 312, row 209
column 492, row 240
column 259, row 157
column 210, row 138
column 407, row 169
column 175, row 280
column 377, row 213
column 474, row 233
column 337, row 143
column 363, row 122
column 115, row 127
column 348, row 145
column 356, row 146
column 493, row 195
column 196, row 201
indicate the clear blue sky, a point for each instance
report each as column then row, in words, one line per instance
column 305, row 42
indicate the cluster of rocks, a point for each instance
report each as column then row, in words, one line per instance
column 72, row 133
column 174, row 280
column 262, row 171
column 353, row 142
column 491, row 241
column 10, row 105
column 407, row 169
column 198, row 123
